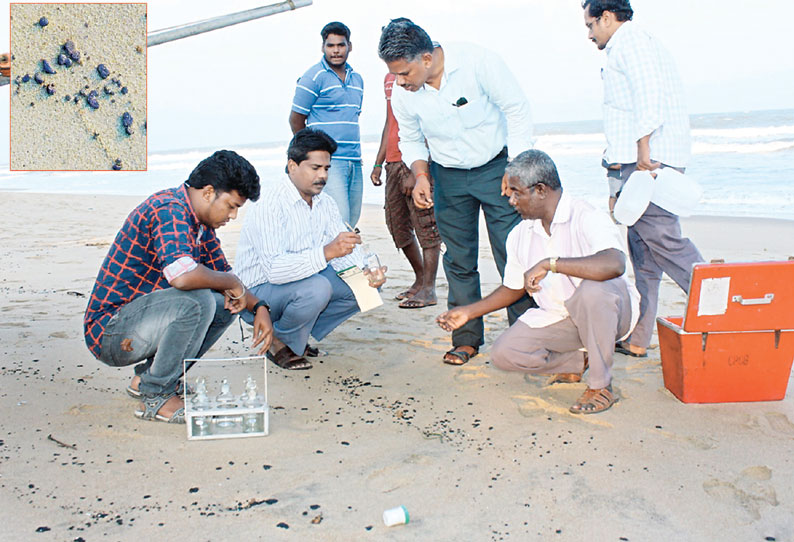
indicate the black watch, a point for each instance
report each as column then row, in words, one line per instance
column 260, row 304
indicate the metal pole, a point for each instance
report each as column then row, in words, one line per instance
column 191, row 29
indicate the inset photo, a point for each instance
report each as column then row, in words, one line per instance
column 78, row 87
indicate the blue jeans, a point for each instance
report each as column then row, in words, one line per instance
column 346, row 185
column 316, row 305
column 164, row 328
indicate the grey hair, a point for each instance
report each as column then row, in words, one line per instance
column 534, row 167
column 403, row 40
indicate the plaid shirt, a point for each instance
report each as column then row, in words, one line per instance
column 643, row 94
column 161, row 239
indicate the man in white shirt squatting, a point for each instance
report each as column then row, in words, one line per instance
column 568, row 256
column 464, row 101
column 292, row 245
column 646, row 127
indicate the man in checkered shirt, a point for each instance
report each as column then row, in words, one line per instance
column 165, row 291
column 646, row 127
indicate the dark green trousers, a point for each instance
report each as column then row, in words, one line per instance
column 458, row 195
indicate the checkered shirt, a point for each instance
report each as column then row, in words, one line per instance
column 643, row 94
column 160, row 238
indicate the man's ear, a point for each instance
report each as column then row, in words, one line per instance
column 349, row 46
column 208, row 193
column 292, row 165
column 427, row 59
column 608, row 18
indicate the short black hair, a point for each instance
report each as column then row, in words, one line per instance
column 226, row 171
column 309, row 140
column 403, row 40
column 534, row 167
column 337, row 28
column 621, row 8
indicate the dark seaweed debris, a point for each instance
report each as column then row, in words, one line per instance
column 51, row 89
column 91, row 100
column 38, row 78
column 46, row 67
column 43, row 22
column 64, row 60
column 25, row 78
column 70, row 50
column 126, row 119
column 116, row 167
column 103, row 71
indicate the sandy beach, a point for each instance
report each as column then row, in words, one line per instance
column 473, row 453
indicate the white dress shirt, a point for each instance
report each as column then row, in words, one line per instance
column 577, row 230
column 643, row 95
column 282, row 239
column 467, row 136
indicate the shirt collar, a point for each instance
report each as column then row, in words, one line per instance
column 328, row 67
column 562, row 214
column 616, row 37
column 294, row 196
column 182, row 194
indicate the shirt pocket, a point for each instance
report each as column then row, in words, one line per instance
column 473, row 113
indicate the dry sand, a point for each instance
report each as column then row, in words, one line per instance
column 473, row 453
column 47, row 131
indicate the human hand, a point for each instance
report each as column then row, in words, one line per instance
column 234, row 298
column 422, row 193
column 452, row 319
column 644, row 162
column 375, row 175
column 376, row 276
column 263, row 330
column 534, row 275
column 342, row 245
column 504, row 185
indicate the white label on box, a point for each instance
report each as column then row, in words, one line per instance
column 714, row 296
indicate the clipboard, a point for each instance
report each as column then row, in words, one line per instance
column 367, row 297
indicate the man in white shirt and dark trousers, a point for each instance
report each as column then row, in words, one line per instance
column 291, row 247
column 569, row 257
column 646, row 127
column 467, row 105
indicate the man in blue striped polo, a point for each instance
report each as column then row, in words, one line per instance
column 328, row 98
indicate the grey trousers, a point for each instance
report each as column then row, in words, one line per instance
column 656, row 247
column 458, row 196
column 164, row 328
column 599, row 313
column 315, row 305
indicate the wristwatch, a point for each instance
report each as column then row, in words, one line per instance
column 260, row 303
column 553, row 265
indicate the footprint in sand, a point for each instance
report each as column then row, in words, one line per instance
column 750, row 491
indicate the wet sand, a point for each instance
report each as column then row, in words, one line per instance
column 473, row 453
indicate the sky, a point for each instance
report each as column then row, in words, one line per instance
column 234, row 86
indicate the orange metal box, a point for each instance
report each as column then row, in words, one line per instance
column 736, row 340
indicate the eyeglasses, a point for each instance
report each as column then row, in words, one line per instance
column 591, row 23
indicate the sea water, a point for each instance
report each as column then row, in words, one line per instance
column 744, row 162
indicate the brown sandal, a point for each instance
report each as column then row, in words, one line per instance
column 459, row 357
column 593, row 401
column 569, row 378
column 286, row 359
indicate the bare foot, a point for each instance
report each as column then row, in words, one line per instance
column 426, row 297
column 410, row 292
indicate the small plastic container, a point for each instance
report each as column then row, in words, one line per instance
column 675, row 192
column 634, row 197
column 396, row 516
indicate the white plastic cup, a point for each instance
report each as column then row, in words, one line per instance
column 396, row 516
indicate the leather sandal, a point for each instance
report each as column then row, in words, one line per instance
column 151, row 409
column 569, row 378
column 594, row 401
column 180, row 389
column 461, row 356
column 287, row 359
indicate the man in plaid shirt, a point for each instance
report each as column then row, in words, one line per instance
column 165, row 291
column 647, row 128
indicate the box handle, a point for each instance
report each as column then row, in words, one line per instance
column 766, row 300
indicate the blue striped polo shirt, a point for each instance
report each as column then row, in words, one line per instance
column 332, row 106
